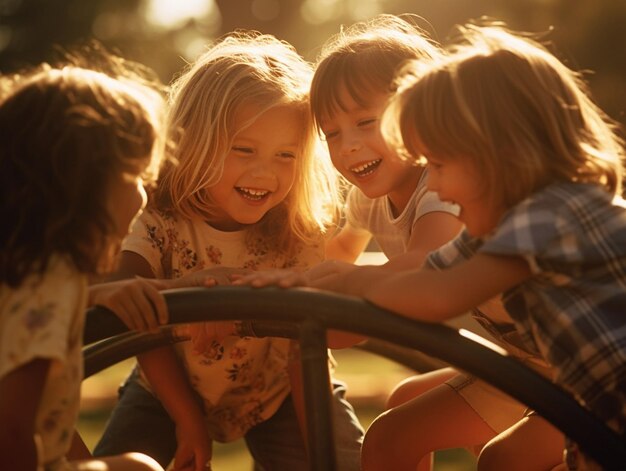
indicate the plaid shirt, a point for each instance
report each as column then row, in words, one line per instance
column 573, row 309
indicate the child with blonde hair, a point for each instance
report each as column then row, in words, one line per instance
column 76, row 146
column 251, row 190
column 510, row 135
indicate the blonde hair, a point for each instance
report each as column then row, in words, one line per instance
column 504, row 101
column 241, row 69
column 364, row 58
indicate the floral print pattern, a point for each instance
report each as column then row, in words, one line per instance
column 243, row 381
column 43, row 318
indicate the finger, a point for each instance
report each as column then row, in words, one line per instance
column 202, row 339
column 291, row 280
column 125, row 311
column 121, row 313
column 157, row 303
column 244, row 280
column 157, row 284
column 143, row 310
column 195, row 335
column 263, row 281
column 209, row 282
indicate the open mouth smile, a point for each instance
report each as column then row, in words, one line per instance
column 365, row 169
column 252, row 194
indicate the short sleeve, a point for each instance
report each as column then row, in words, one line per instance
column 430, row 203
column 538, row 229
column 458, row 250
column 38, row 318
column 149, row 238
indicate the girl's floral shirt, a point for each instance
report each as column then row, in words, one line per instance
column 44, row 318
column 242, row 381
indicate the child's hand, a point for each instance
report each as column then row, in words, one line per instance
column 203, row 334
column 195, row 447
column 137, row 302
column 281, row 278
column 314, row 277
column 208, row 277
column 318, row 273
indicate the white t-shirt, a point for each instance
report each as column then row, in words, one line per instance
column 44, row 318
column 375, row 216
column 242, row 381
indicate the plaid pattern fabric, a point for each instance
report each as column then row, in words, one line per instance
column 573, row 310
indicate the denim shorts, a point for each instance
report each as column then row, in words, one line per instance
column 140, row 423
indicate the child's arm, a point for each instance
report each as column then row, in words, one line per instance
column 20, row 396
column 170, row 384
column 347, row 245
column 429, row 232
column 428, row 294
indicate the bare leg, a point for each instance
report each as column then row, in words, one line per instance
column 125, row 462
column 413, row 386
column 531, row 444
column 405, row 436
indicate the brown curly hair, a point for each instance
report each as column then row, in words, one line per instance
column 64, row 133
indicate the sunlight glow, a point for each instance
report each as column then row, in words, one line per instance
column 363, row 9
column 321, row 11
column 265, row 10
column 172, row 14
column 481, row 340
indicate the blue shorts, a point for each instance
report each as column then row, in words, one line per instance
column 140, row 423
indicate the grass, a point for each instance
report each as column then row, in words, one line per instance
column 369, row 378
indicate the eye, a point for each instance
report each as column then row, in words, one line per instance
column 329, row 135
column 367, row 122
column 286, row 155
column 243, row 150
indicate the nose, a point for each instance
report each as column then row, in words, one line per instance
column 350, row 144
column 263, row 170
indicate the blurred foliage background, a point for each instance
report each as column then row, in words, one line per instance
column 165, row 34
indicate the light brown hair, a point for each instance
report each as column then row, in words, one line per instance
column 504, row 101
column 364, row 58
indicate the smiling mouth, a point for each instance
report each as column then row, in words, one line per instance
column 252, row 194
column 363, row 170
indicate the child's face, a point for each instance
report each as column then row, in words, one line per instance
column 127, row 198
column 359, row 152
column 456, row 180
column 260, row 168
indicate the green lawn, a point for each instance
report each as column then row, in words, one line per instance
column 369, row 377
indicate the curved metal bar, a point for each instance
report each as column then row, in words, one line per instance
column 356, row 315
column 100, row 355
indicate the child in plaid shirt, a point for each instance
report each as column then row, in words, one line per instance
column 510, row 135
